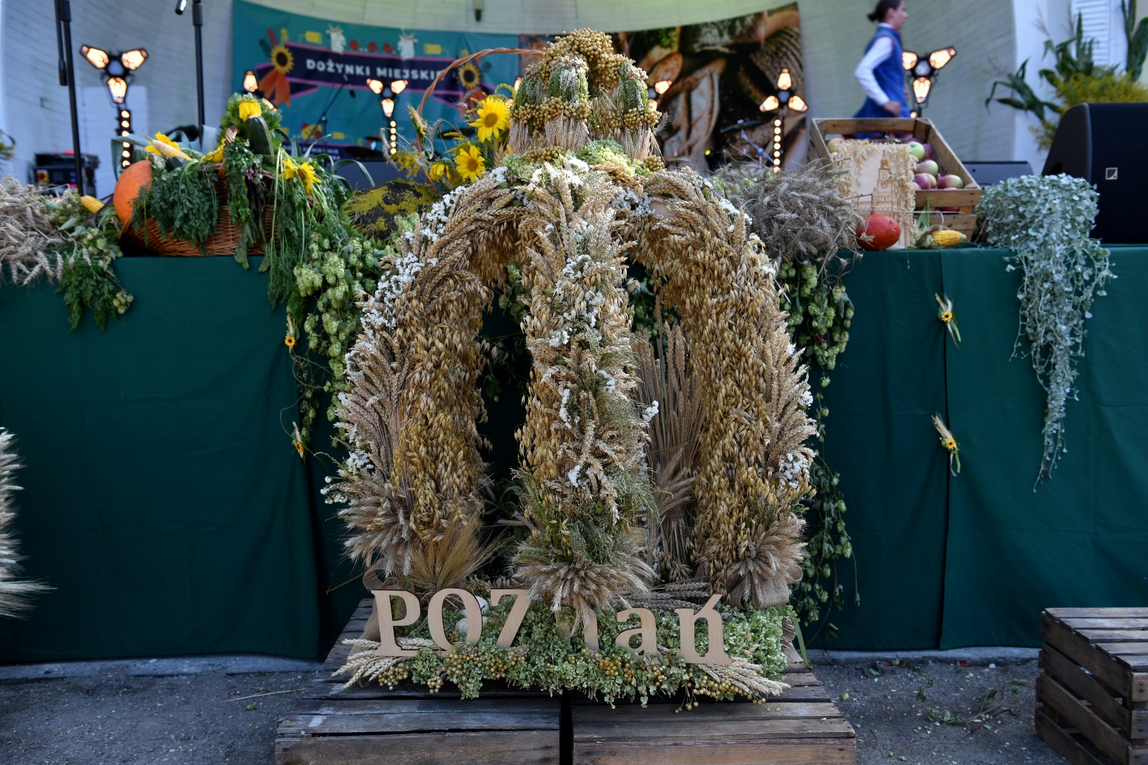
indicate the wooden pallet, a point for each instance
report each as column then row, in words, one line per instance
column 800, row 726
column 507, row 726
column 1092, row 699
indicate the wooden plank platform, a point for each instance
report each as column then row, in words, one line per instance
column 374, row 725
column 1092, row 700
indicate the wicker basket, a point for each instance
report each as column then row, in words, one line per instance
column 223, row 242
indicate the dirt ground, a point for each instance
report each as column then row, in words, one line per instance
column 189, row 712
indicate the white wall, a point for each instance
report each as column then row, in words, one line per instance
column 34, row 109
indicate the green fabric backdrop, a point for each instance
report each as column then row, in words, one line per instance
column 164, row 503
column 944, row 561
column 162, row 499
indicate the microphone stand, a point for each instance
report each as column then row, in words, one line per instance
column 197, row 22
column 67, row 77
column 322, row 123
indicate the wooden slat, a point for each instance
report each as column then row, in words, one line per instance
column 340, row 717
column 1114, row 636
column 1106, row 623
column 1121, row 650
column 496, row 748
column 828, row 752
column 1099, row 613
column 1133, row 724
column 1119, row 679
column 1063, row 743
column 1079, row 716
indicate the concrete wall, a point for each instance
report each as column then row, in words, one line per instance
column 990, row 36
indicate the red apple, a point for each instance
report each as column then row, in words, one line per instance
column 950, row 182
column 925, row 180
column 929, row 153
column 928, row 166
column 835, row 143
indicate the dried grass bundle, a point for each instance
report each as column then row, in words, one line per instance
column 28, row 238
column 754, row 458
column 582, row 442
column 14, row 594
column 799, row 215
column 666, row 376
column 410, row 420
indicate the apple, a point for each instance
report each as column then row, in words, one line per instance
column 835, row 143
column 929, row 153
column 928, row 166
column 916, row 149
column 950, row 182
column 948, row 209
column 917, row 186
column 925, row 181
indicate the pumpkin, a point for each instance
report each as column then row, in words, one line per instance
column 137, row 176
column 880, row 232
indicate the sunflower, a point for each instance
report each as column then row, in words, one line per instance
column 469, row 162
column 305, row 172
column 493, row 118
column 469, row 75
column 215, row 156
column 437, row 171
column 282, row 59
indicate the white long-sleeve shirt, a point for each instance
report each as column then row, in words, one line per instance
column 878, row 52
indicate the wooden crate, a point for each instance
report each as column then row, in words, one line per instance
column 965, row 200
column 1092, row 699
column 365, row 726
column 802, row 726
column 408, row 726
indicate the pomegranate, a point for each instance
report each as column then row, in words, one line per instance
column 880, row 232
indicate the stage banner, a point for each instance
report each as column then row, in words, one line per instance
column 316, row 72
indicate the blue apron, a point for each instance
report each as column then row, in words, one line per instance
column 890, row 76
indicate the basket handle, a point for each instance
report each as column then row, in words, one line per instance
column 459, row 62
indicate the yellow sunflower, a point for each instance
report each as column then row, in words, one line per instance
column 215, row 156
column 282, row 59
column 437, row 171
column 469, row 162
column 305, row 172
column 493, row 118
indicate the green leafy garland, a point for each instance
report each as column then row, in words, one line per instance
column 545, row 658
column 88, row 278
column 820, row 314
column 1046, row 222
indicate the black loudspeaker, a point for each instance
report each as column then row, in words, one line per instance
column 1105, row 145
column 988, row 173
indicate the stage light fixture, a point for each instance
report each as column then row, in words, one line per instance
column 398, row 86
column 388, row 105
column 97, row 57
column 118, row 88
column 785, row 99
column 125, row 129
column 661, row 86
column 250, row 81
column 133, row 59
column 376, row 86
column 180, row 6
column 924, row 71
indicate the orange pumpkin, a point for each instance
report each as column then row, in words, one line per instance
column 137, row 176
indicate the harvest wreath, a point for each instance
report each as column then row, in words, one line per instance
column 609, row 504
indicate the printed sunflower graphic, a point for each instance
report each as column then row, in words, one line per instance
column 469, row 76
column 275, row 83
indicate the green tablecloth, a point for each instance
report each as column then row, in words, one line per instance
column 945, row 561
column 164, row 503
column 162, row 499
